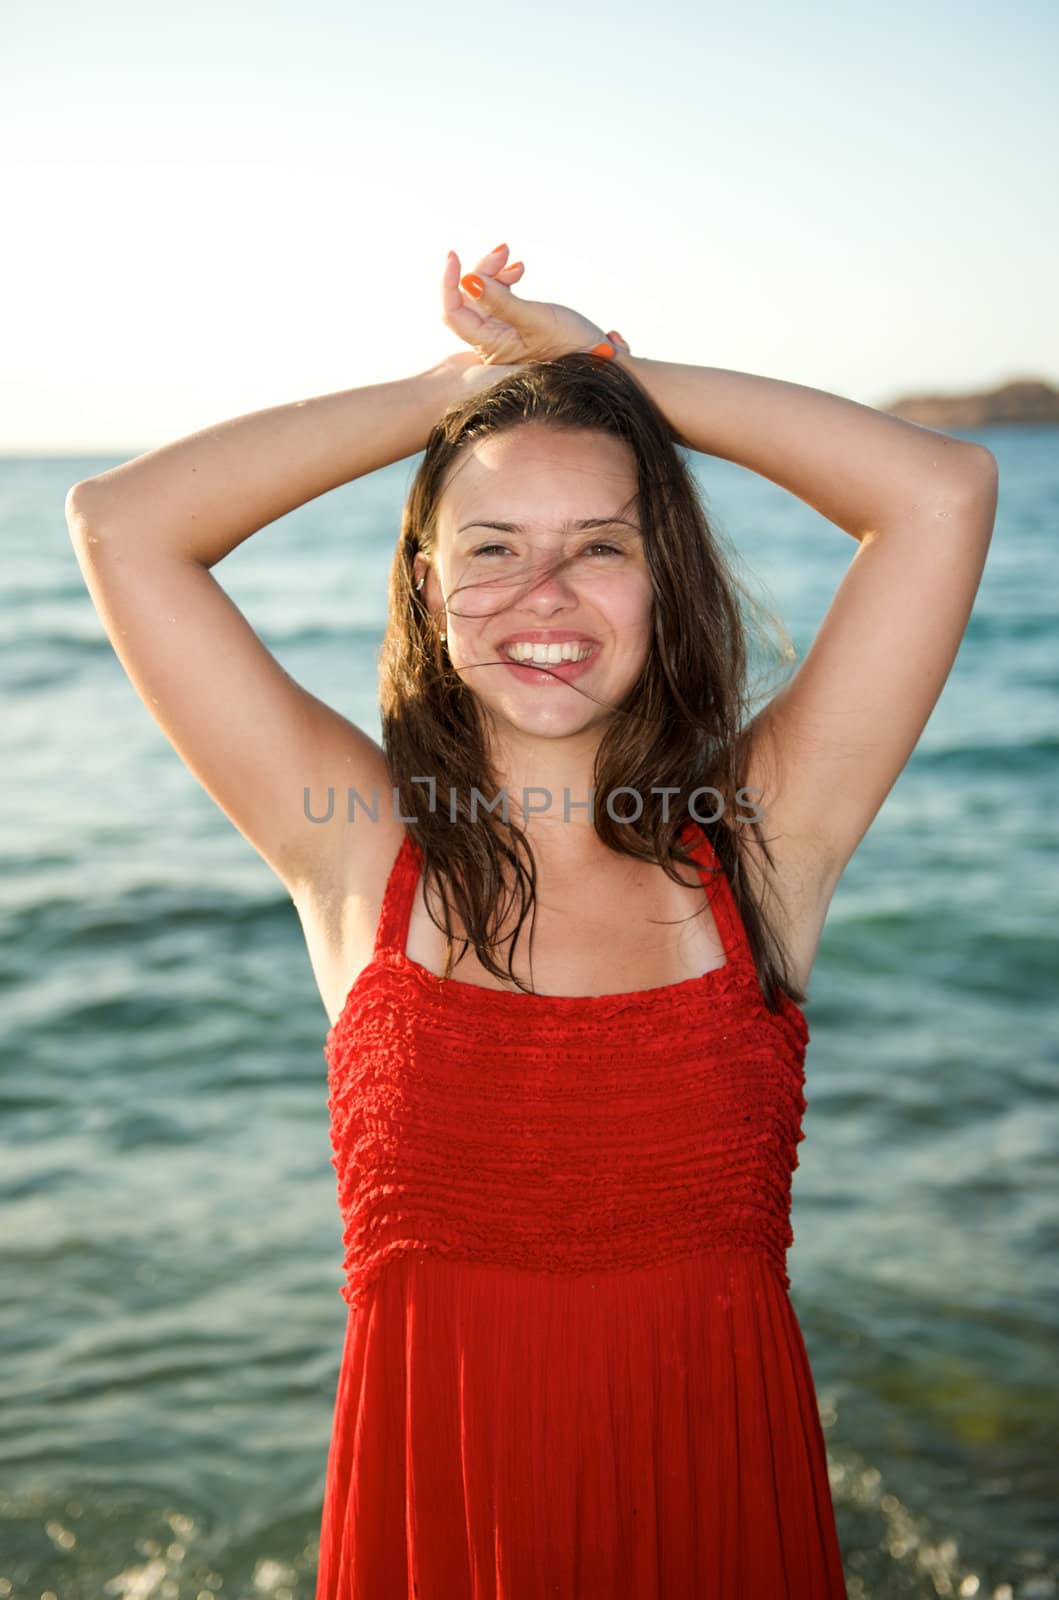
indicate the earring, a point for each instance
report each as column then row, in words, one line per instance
column 420, row 584
column 443, row 635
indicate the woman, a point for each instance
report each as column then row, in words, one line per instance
column 571, row 1364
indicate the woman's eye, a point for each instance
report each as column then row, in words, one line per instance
column 487, row 549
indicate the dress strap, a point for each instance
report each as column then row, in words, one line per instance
column 719, row 894
column 399, row 896
column 392, row 930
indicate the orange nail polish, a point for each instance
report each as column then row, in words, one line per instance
column 603, row 349
column 497, row 247
column 473, row 285
column 513, row 264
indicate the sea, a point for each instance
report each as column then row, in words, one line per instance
column 170, row 1321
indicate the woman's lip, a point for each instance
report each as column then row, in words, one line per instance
column 548, row 638
column 549, row 671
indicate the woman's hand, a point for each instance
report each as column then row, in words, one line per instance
column 466, row 374
column 503, row 329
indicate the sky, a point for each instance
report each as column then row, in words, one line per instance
column 211, row 209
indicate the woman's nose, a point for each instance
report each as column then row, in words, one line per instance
column 551, row 588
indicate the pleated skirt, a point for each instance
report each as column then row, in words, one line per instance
column 626, row 1435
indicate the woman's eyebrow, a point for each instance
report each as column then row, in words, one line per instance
column 567, row 527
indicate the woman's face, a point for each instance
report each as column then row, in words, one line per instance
column 541, row 482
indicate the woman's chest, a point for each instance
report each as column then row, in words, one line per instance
column 599, row 929
column 595, row 931
column 616, row 929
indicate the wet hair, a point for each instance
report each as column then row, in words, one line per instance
column 683, row 725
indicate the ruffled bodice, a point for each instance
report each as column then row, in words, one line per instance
column 566, row 1134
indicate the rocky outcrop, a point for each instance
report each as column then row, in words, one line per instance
column 1021, row 400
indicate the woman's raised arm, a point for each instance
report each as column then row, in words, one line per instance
column 146, row 534
column 829, row 746
column 203, row 495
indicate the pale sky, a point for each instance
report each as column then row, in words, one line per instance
column 209, row 209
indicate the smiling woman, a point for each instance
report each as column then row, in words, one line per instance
column 571, row 1364
column 548, row 1451
column 613, row 1162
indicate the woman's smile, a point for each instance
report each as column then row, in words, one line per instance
column 542, row 672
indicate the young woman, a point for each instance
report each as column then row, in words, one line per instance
column 571, row 1364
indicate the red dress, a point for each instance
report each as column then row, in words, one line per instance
column 571, row 1365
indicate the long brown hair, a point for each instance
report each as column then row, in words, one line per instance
column 681, row 726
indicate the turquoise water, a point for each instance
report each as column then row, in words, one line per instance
column 171, row 1324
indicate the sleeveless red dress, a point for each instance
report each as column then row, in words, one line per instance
column 571, row 1366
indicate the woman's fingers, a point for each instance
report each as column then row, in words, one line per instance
column 496, row 265
column 493, row 261
column 456, row 311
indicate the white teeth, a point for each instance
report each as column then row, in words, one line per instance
column 548, row 654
